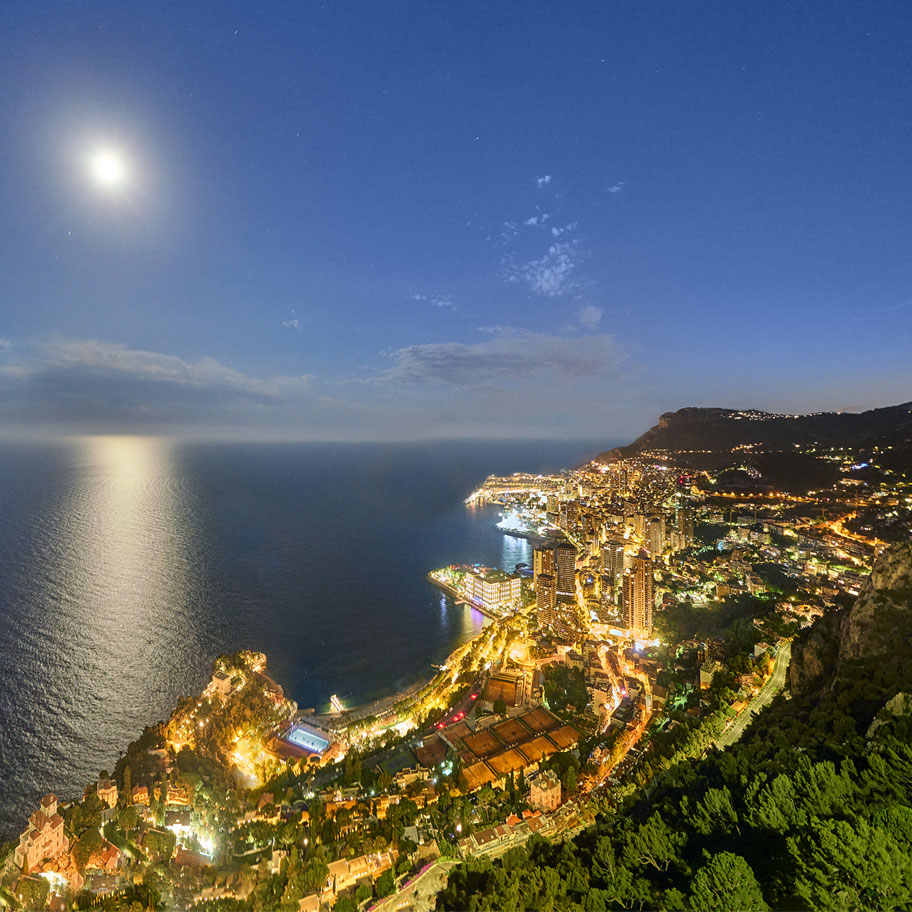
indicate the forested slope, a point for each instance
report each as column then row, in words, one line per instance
column 811, row 810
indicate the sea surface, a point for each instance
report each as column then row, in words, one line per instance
column 128, row 563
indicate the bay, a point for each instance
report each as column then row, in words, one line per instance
column 128, row 563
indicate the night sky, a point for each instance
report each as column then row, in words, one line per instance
column 366, row 220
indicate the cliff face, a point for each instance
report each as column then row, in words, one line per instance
column 815, row 654
column 878, row 626
column 880, row 621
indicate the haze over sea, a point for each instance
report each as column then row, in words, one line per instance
column 128, row 563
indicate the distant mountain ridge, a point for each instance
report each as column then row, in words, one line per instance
column 720, row 429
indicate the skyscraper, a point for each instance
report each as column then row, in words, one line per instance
column 546, row 599
column 542, row 561
column 613, row 560
column 684, row 520
column 565, row 563
column 637, row 597
column 656, row 536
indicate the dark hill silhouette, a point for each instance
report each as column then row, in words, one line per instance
column 719, row 430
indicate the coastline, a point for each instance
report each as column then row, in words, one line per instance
column 459, row 598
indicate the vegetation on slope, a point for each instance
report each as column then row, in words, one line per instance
column 812, row 809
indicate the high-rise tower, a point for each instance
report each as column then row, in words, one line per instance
column 565, row 564
column 637, row 597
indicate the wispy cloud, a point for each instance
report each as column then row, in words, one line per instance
column 5, row 345
column 91, row 356
column 537, row 221
column 444, row 302
column 543, row 180
column 504, row 357
column 589, row 316
column 551, row 275
column 292, row 324
column 557, row 232
column 616, row 187
column 89, row 386
column 499, row 382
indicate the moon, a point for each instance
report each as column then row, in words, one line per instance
column 108, row 168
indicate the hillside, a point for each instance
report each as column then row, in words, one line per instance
column 719, row 430
column 812, row 809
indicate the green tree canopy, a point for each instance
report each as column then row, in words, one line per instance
column 726, row 883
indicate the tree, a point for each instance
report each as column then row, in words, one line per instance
column 727, row 882
column 86, row 846
column 159, row 844
column 715, row 812
column 33, row 891
column 843, row 865
column 128, row 818
column 500, row 706
column 655, row 843
column 776, row 806
column 315, row 873
column 385, row 883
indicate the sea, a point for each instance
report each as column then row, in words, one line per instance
column 127, row 564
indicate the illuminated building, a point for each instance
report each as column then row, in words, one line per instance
column 221, row 683
column 107, row 792
column 656, row 536
column 493, row 588
column 565, row 564
column 708, row 671
column 44, row 837
column 684, row 520
column 637, row 597
column 569, row 515
column 546, row 598
column 542, row 561
column 613, row 560
column 545, row 791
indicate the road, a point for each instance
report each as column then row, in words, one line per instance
column 463, row 706
column 774, row 684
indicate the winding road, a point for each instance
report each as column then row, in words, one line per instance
column 774, row 684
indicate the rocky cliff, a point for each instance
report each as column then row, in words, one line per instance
column 877, row 627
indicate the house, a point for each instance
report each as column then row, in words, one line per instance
column 221, row 683
column 43, row 838
column 107, row 860
column 177, row 796
column 107, row 792
column 545, row 791
column 708, row 671
column 659, row 696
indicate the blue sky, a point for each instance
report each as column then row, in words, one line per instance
column 400, row 220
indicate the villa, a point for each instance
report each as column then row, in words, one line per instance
column 43, row 838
